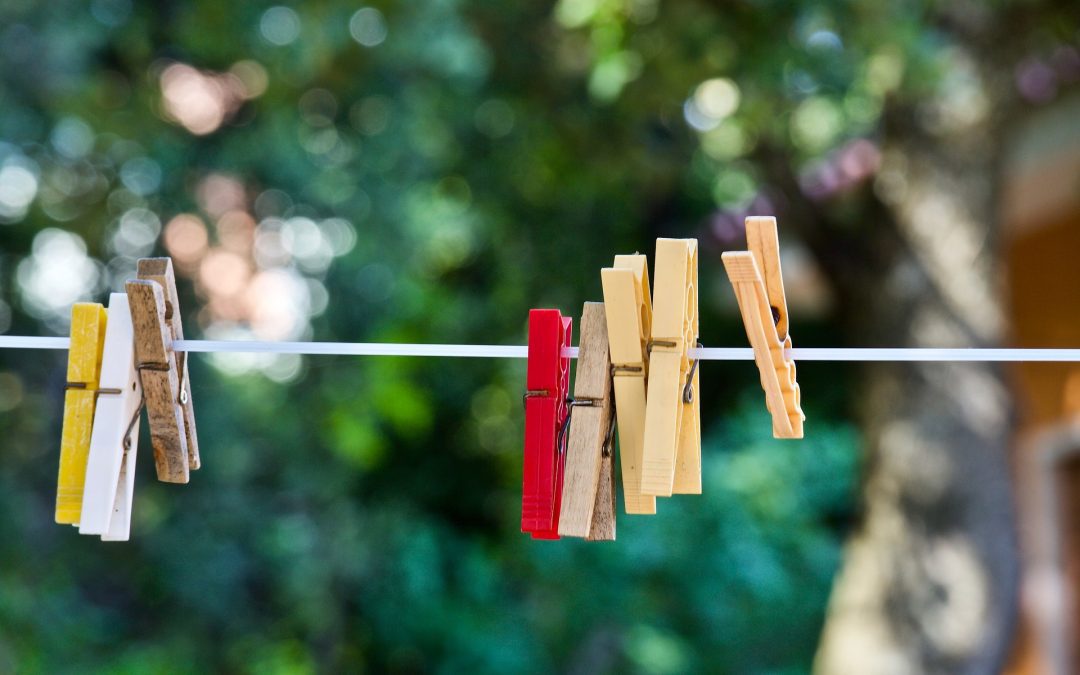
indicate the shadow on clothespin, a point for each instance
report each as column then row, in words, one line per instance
column 672, row 456
column 547, row 384
column 88, row 321
column 588, row 498
column 628, row 308
column 110, row 470
column 155, row 315
column 759, row 288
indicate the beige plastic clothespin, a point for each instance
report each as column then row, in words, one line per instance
column 155, row 314
column 672, row 457
column 759, row 287
column 588, row 498
column 628, row 307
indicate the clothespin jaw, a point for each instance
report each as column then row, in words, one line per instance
column 759, row 288
column 588, row 498
column 110, row 470
column 88, row 321
column 628, row 309
column 155, row 315
column 672, row 455
column 547, row 386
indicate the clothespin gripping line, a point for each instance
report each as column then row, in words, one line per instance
column 688, row 388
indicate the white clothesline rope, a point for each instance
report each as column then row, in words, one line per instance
column 521, row 352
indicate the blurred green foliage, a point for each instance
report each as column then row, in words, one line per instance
column 361, row 513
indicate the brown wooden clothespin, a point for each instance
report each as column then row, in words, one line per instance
column 155, row 316
column 588, row 498
column 759, row 288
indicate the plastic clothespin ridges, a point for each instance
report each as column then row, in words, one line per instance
column 88, row 322
column 547, row 384
column 628, row 307
column 759, row 287
column 671, row 461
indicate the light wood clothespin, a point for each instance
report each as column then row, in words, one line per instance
column 628, row 307
column 759, row 287
column 88, row 321
column 155, row 314
column 110, row 471
column 588, row 498
column 672, row 458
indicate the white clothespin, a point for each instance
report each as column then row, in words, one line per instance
column 110, row 469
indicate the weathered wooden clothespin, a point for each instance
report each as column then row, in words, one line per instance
column 547, row 384
column 628, row 307
column 588, row 498
column 759, row 287
column 83, row 372
column 155, row 314
column 672, row 457
column 110, row 471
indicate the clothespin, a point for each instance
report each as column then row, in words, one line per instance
column 83, row 372
column 759, row 287
column 547, row 385
column 110, row 471
column 155, row 314
column 588, row 498
column 629, row 323
column 672, row 457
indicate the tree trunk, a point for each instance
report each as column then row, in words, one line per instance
column 930, row 578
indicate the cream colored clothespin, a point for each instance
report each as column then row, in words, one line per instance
column 759, row 287
column 588, row 498
column 155, row 314
column 88, row 321
column 110, row 471
column 672, row 456
column 628, row 307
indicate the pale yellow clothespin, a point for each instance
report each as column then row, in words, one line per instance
column 80, row 396
column 629, row 321
column 672, row 456
column 759, row 287
column 588, row 498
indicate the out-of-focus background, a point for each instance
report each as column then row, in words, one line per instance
column 429, row 171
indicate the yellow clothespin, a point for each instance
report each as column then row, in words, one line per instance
column 110, row 470
column 588, row 498
column 759, row 287
column 83, row 372
column 155, row 315
column 629, row 321
column 672, row 458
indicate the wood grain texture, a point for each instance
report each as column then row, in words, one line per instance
column 628, row 308
column 588, row 431
column 671, row 461
column 763, row 241
column 776, row 371
column 88, row 321
column 160, row 270
column 160, row 381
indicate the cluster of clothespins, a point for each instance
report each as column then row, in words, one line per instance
column 635, row 367
column 118, row 360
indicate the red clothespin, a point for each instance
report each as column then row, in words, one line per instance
column 547, row 385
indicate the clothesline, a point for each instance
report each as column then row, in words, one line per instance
column 521, row 352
